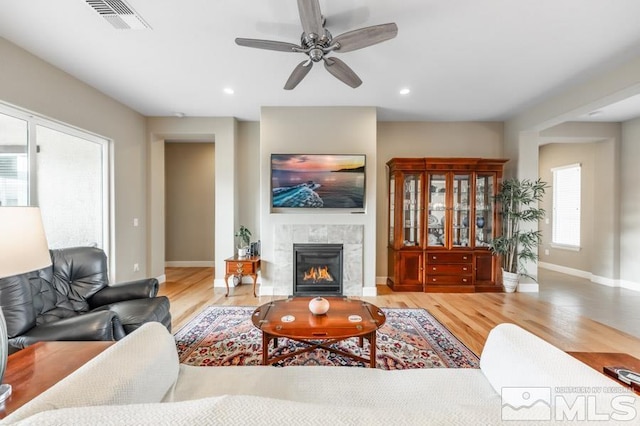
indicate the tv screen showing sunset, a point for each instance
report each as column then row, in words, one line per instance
column 317, row 181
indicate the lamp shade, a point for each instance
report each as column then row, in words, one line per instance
column 23, row 244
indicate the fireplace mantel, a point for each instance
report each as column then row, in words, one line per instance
column 350, row 236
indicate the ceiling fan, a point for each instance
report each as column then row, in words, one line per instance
column 317, row 42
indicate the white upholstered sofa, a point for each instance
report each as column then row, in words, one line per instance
column 139, row 381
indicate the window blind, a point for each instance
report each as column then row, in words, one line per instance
column 13, row 161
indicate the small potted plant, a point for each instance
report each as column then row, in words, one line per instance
column 243, row 236
column 518, row 203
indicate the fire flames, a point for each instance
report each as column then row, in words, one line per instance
column 321, row 273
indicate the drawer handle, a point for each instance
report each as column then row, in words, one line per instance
column 433, row 279
column 464, row 257
column 434, row 269
column 464, row 280
column 464, row 269
column 433, row 257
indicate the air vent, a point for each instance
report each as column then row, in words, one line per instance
column 119, row 14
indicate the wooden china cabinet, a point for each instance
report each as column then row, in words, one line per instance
column 442, row 217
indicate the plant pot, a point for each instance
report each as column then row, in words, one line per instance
column 509, row 281
column 242, row 252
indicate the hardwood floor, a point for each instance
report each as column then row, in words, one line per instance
column 469, row 316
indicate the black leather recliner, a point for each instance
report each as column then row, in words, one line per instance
column 72, row 300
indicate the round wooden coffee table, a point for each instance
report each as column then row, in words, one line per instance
column 291, row 318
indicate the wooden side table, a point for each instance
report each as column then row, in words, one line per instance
column 239, row 266
column 36, row 368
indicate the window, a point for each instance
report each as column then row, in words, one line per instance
column 59, row 168
column 13, row 161
column 566, row 206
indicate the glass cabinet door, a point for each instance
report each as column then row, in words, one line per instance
column 461, row 209
column 392, row 209
column 412, row 209
column 485, row 205
column 437, row 217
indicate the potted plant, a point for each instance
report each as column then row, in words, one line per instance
column 518, row 204
column 244, row 239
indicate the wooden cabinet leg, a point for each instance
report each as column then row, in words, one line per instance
column 255, row 278
column 226, row 283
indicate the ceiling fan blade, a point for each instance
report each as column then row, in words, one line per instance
column 267, row 44
column 363, row 37
column 298, row 74
column 311, row 17
column 342, row 72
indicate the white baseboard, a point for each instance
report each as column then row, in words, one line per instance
column 369, row 291
column 265, row 291
column 219, row 282
column 565, row 270
column 630, row 285
column 522, row 287
column 609, row 282
column 162, row 278
column 190, row 264
column 528, row 288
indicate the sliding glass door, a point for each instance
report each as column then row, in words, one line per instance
column 61, row 169
column 14, row 166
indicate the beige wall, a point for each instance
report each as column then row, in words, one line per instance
column 222, row 131
column 352, row 130
column 557, row 155
column 423, row 139
column 249, row 176
column 394, row 139
column 596, row 147
column 138, row 155
column 522, row 140
column 630, row 204
column 32, row 84
column 190, row 203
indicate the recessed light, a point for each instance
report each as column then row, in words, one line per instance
column 595, row 113
column 405, row 91
column 228, row 91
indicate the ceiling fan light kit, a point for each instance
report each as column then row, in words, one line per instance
column 317, row 42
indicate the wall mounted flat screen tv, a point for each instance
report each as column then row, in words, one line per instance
column 333, row 181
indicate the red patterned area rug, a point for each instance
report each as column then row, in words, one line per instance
column 410, row 338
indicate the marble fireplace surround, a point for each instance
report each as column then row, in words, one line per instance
column 350, row 236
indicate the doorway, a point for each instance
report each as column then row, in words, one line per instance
column 189, row 204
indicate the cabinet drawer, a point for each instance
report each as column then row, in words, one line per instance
column 240, row 268
column 449, row 279
column 449, row 258
column 449, row 269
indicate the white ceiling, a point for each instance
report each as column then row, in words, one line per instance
column 462, row 59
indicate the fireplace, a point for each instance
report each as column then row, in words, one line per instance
column 317, row 269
